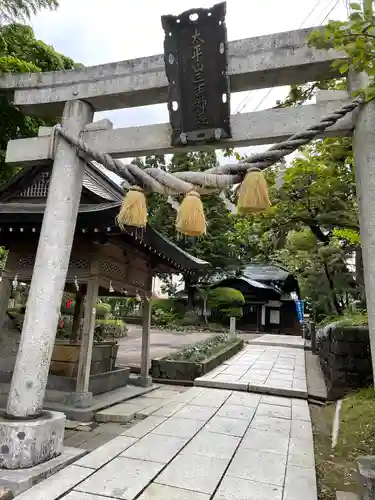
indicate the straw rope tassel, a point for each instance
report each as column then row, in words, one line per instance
column 133, row 210
column 253, row 193
column 190, row 218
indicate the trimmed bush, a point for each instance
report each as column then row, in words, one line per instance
column 225, row 303
column 224, row 297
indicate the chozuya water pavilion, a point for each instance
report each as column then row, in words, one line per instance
column 104, row 260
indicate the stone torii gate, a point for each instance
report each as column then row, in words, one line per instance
column 261, row 62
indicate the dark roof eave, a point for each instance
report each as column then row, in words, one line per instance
column 103, row 215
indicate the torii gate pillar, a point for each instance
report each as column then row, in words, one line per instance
column 29, row 436
column 364, row 160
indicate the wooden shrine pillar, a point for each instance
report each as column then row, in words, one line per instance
column 144, row 378
column 76, row 325
column 82, row 397
column 5, row 291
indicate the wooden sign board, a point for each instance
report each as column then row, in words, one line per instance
column 195, row 57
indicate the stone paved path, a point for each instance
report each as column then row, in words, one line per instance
column 271, row 364
column 204, row 443
column 210, row 444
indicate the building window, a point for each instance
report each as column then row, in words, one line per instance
column 275, row 316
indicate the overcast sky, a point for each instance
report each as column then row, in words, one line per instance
column 97, row 31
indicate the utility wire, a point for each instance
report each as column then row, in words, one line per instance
column 244, row 102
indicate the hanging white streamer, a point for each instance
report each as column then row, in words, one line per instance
column 228, row 204
column 279, row 181
column 173, row 203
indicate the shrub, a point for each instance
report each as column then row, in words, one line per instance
column 348, row 319
column 204, row 349
column 223, row 297
column 162, row 317
column 225, row 302
column 102, row 310
column 168, row 305
column 190, row 318
column 111, row 327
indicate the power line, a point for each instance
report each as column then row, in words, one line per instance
column 321, row 13
column 311, row 12
column 301, row 25
column 245, row 101
column 333, row 8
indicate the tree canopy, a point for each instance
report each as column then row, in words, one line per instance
column 21, row 52
column 21, row 10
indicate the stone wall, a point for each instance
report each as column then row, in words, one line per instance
column 345, row 358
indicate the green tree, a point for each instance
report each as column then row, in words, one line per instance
column 21, row 52
column 21, row 10
column 312, row 227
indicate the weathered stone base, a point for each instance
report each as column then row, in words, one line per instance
column 80, row 399
column 25, row 443
column 21, row 480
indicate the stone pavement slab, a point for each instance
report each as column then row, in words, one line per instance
column 191, row 472
column 268, row 441
column 78, row 495
column 179, row 427
column 196, row 412
column 267, row 365
column 234, row 488
column 162, row 492
column 279, row 340
column 57, row 485
column 228, row 426
column 122, row 478
column 107, row 452
column 155, row 448
column 213, row 445
column 300, row 483
column 142, row 428
column 148, row 404
column 258, row 466
column 237, row 411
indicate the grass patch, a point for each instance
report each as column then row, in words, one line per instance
column 337, row 469
column 204, row 349
column 353, row 319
